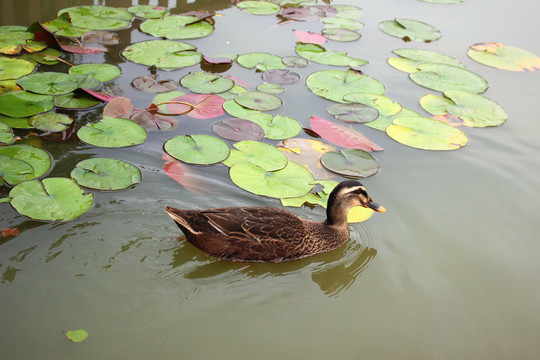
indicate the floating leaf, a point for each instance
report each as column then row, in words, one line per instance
column 8, row 86
column 441, row 77
column 350, row 162
column 234, row 109
column 51, row 122
column 120, row 108
column 337, row 34
column 98, row 95
column 292, row 181
column 15, row 123
column 258, row 7
column 278, row 127
column 55, row 199
column 163, row 54
column 98, row 17
column 238, row 129
column 309, row 37
column 206, row 83
column 112, row 133
column 11, row 167
column 150, row 83
column 101, row 72
column 148, row 11
column 383, row 122
column 349, row 11
column 23, row 103
column 153, row 122
column 295, row 61
column 203, row 106
column 261, row 61
column 75, row 100
column 177, row 27
column 472, row 109
column 270, row 88
column 504, row 57
column 341, row 135
column 304, row 13
column 6, row 134
column 353, row 113
column 76, row 336
column 410, row 30
column 281, row 76
column 10, row 231
column 61, row 26
column 100, row 37
column 257, row 153
column 49, row 83
column 335, row 84
column 185, row 175
column 384, row 105
column 341, row 23
column 307, row 152
column 197, row 149
column 106, row 174
column 12, row 43
column 257, row 100
column 164, row 97
column 410, row 59
column 12, row 68
column 425, row 133
column 318, row 54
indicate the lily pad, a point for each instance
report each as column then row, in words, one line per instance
column 6, row 134
column 278, row 127
column 410, row 59
column 154, row 122
column 341, row 23
column 201, row 106
column 337, row 34
column 54, row 199
column 259, row 7
column 62, row 26
column 472, row 109
column 51, row 122
column 257, row 153
column 257, row 100
column 383, row 122
column 206, row 83
column 238, row 129
column 234, row 109
column 49, row 83
column 261, row 61
column 112, row 133
column 335, row 84
column 164, row 97
column 22, row 103
column 197, row 149
column 350, row 162
column 10, row 167
column 101, row 72
column 353, row 113
column 319, row 54
column 410, row 30
column 425, row 133
column 98, row 17
column 295, row 61
column 177, row 27
column 384, row 105
column 75, row 100
column 15, row 123
column 12, row 68
column 309, row 37
column 504, row 57
column 281, row 76
column 38, row 159
column 100, row 37
column 76, row 336
column 292, row 181
column 148, row 11
column 349, row 11
column 106, row 174
column 163, row 54
column 9, row 86
column 270, row 88
column 151, row 84
column 342, row 136
column 441, row 77
column 307, row 152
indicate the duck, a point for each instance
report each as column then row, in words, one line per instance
column 267, row 234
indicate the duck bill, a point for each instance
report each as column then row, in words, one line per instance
column 376, row 207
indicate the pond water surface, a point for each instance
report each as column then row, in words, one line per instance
column 451, row 271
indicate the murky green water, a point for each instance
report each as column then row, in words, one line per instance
column 451, row 271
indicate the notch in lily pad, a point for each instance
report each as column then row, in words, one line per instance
column 410, row 30
column 112, row 133
column 350, row 162
column 13, row 173
column 106, row 174
column 197, row 149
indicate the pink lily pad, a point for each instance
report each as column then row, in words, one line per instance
column 120, row 108
column 203, row 106
column 309, row 37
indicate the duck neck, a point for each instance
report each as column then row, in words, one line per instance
column 336, row 213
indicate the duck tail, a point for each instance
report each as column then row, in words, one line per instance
column 179, row 217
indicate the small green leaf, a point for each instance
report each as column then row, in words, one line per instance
column 258, row 7
column 76, row 336
column 261, row 61
column 106, row 174
column 51, row 121
column 101, row 72
column 410, row 30
column 197, row 149
column 319, row 54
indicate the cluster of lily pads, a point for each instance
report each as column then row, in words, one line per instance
column 292, row 171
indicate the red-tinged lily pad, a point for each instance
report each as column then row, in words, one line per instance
column 309, row 37
column 218, row 60
column 197, row 106
column 319, row 54
column 82, row 49
column 186, row 175
column 261, row 61
column 238, row 129
column 425, row 133
column 410, row 30
column 100, row 37
column 23, row 103
column 350, row 162
column 257, row 100
column 307, row 152
column 206, row 83
column 120, row 108
column 342, row 136
column 197, row 149
column 281, row 76
column 10, row 232
column 154, row 122
column 353, row 113
column 504, row 57
column 151, row 84
column 98, row 95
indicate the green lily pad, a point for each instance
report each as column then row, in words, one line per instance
column 164, row 97
column 234, row 109
column 341, row 23
column 259, row 7
column 101, row 72
column 292, row 181
column 197, row 149
column 45, row 57
column 261, row 61
column 257, row 100
column 163, row 54
column 279, row 127
column 10, row 167
column 353, row 113
column 38, row 159
column 441, row 77
column 504, row 57
column 12, row 68
column 350, row 162
column 76, row 336
column 472, row 109
column 206, row 83
column 9, row 86
column 75, row 100
column 177, row 27
column 12, row 28
column 62, row 26
column 51, row 121
column 49, row 83
column 6, row 134
column 425, row 133
column 148, row 11
column 335, row 84
column 257, row 153
column 270, row 88
column 238, row 129
column 106, row 174
column 98, row 17
column 20, row 104
column 15, row 123
column 410, row 30
column 112, row 133
column 295, row 61
column 13, row 42
column 382, row 122
column 384, row 105
column 55, row 199
column 337, row 34
column 410, row 59
column 319, row 54
column 349, row 11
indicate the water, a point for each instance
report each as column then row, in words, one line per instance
column 450, row 271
